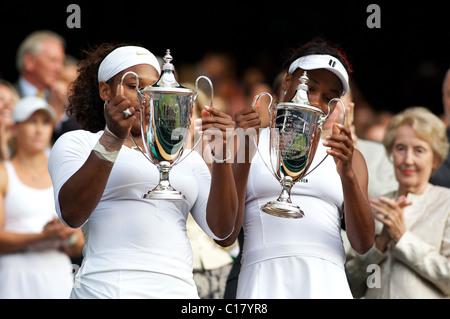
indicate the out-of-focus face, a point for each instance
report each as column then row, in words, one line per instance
column 413, row 161
column 7, row 103
column 446, row 97
column 45, row 68
column 35, row 133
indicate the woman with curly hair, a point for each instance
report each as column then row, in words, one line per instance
column 135, row 247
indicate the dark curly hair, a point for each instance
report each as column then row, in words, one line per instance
column 319, row 46
column 84, row 102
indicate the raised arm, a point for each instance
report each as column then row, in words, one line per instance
column 248, row 122
column 79, row 196
column 221, row 210
column 352, row 169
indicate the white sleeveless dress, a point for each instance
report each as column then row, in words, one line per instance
column 293, row 258
column 42, row 271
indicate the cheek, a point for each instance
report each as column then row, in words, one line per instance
column 397, row 160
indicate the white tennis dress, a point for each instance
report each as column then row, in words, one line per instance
column 135, row 247
column 294, row 258
column 42, row 271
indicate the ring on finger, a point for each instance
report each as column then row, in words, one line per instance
column 386, row 215
column 127, row 113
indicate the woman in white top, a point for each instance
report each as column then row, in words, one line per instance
column 411, row 255
column 34, row 244
column 135, row 247
column 304, row 258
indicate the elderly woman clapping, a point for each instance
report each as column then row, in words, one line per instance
column 412, row 246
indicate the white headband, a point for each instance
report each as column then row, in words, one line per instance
column 123, row 58
column 319, row 61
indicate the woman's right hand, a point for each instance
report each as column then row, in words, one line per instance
column 115, row 119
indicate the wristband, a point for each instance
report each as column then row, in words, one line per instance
column 104, row 154
column 114, row 135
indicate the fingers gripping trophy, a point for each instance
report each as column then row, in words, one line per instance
column 166, row 132
column 295, row 129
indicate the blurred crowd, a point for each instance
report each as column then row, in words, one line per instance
column 46, row 71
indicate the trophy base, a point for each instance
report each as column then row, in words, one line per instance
column 281, row 209
column 166, row 194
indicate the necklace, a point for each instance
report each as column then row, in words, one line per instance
column 134, row 146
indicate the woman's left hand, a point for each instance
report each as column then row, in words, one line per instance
column 218, row 128
column 341, row 148
column 390, row 212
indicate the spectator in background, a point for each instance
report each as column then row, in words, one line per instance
column 412, row 242
column 211, row 262
column 58, row 99
column 380, row 168
column 442, row 175
column 221, row 69
column 39, row 62
column 375, row 130
column 34, row 244
column 8, row 99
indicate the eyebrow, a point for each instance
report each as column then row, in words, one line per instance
column 314, row 80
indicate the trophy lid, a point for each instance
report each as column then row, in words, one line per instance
column 300, row 99
column 301, row 95
column 167, row 82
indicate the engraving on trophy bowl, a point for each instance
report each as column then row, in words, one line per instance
column 295, row 129
column 293, row 139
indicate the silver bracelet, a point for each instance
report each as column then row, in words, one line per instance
column 221, row 161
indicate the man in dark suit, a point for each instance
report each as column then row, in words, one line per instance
column 40, row 61
column 442, row 176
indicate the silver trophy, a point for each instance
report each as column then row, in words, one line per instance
column 166, row 132
column 295, row 129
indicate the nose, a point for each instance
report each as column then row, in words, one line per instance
column 409, row 158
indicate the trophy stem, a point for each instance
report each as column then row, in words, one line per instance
column 283, row 206
column 164, row 190
column 285, row 195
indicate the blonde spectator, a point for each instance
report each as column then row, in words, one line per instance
column 8, row 99
column 411, row 254
column 34, row 244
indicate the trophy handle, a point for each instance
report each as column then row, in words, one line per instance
column 254, row 137
column 210, row 85
column 141, row 98
column 137, row 86
column 325, row 118
column 193, row 103
column 195, row 99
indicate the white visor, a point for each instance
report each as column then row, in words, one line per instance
column 319, row 61
column 29, row 105
column 123, row 58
